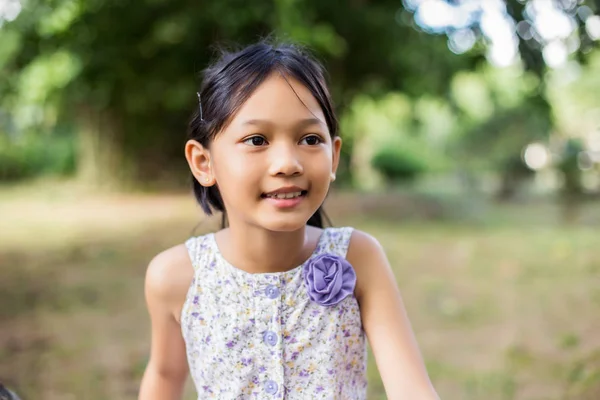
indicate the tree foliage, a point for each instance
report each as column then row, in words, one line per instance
column 128, row 71
column 123, row 75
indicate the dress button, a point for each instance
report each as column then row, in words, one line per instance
column 271, row 387
column 272, row 292
column 270, row 338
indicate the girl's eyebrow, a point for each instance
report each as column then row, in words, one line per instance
column 299, row 125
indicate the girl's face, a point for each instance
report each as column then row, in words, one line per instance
column 275, row 160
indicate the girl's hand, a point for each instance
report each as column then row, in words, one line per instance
column 386, row 323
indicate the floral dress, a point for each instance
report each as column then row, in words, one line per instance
column 287, row 335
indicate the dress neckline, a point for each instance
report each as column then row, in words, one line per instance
column 213, row 243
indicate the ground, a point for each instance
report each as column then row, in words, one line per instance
column 504, row 301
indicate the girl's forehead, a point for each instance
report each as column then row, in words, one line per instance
column 279, row 100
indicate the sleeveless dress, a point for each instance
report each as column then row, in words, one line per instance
column 261, row 336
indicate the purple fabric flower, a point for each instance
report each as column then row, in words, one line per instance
column 329, row 279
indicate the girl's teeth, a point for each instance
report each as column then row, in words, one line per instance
column 285, row 195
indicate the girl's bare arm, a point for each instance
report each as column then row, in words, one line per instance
column 167, row 280
column 386, row 323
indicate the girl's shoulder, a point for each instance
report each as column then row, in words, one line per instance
column 168, row 277
column 368, row 258
column 361, row 241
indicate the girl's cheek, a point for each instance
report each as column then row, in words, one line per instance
column 240, row 165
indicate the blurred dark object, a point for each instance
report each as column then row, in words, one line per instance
column 6, row 394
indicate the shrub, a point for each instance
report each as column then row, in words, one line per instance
column 42, row 155
column 398, row 165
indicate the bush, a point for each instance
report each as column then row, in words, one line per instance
column 42, row 155
column 398, row 165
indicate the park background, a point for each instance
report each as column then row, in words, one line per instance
column 471, row 151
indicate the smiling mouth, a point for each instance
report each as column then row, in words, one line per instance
column 282, row 196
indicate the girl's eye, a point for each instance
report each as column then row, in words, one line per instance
column 312, row 140
column 255, row 141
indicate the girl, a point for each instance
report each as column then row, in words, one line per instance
column 274, row 306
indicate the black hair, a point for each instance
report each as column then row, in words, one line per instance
column 229, row 82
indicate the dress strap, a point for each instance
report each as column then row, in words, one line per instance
column 337, row 240
column 197, row 250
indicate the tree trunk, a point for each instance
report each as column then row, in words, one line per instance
column 100, row 158
column 570, row 208
column 508, row 186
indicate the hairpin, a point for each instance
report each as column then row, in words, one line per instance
column 200, row 106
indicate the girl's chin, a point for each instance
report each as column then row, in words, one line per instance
column 284, row 223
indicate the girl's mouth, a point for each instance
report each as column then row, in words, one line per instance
column 284, row 200
column 281, row 196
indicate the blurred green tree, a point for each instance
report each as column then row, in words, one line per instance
column 398, row 165
column 128, row 72
column 125, row 73
column 498, row 143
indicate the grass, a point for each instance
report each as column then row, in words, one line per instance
column 504, row 307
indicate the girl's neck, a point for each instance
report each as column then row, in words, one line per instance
column 256, row 250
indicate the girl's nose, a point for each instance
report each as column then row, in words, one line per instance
column 285, row 161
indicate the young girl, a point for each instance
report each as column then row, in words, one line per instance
column 274, row 306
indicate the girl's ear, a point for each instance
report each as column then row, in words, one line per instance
column 198, row 158
column 336, row 147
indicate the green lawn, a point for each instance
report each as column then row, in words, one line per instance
column 504, row 308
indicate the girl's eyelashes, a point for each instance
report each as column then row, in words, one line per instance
column 255, row 141
column 312, row 140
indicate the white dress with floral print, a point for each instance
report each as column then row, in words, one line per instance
column 260, row 336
